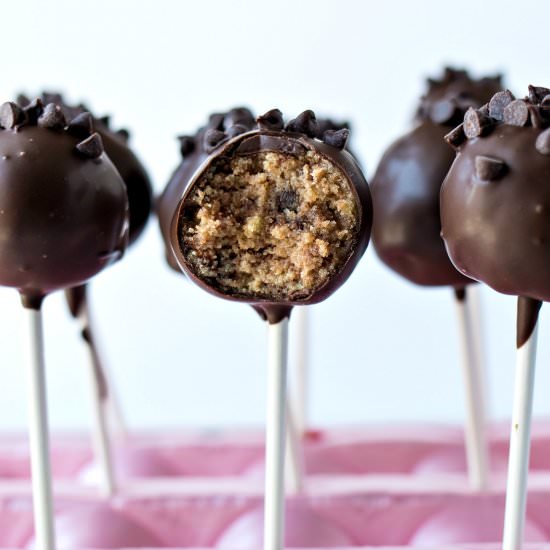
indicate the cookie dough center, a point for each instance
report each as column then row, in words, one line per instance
column 269, row 225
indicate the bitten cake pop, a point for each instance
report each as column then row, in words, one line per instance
column 139, row 192
column 274, row 218
column 493, row 212
column 63, row 218
column 406, row 230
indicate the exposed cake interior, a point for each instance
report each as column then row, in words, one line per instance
column 269, row 225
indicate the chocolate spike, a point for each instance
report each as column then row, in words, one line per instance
column 10, row 115
column 187, row 145
column 81, row 125
column 272, row 120
column 489, row 168
column 304, row 123
column 516, row 113
column 336, row 138
column 476, row 123
column 213, row 138
column 443, row 111
column 91, row 147
column 52, row 117
column 456, row 137
column 499, row 102
column 543, row 142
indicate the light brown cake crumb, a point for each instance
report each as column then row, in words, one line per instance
column 269, row 225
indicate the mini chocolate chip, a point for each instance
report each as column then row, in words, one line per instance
column 498, row 103
column 238, row 115
column 456, row 137
column 516, row 113
column 49, row 97
column 23, row 100
column 535, row 116
column 33, row 110
column 123, row 133
column 304, row 123
column 543, row 142
column 91, row 147
column 443, row 111
column 236, row 130
column 272, row 120
column 287, row 200
column 215, row 121
column 81, row 125
column 537, row 93
column 105, row 120
column 187, row 145
column 336, row 138
column 213, row 138
column 489, row 168
column 10, row 115
column 545, row 100
column 52, row 117
column 476, row 123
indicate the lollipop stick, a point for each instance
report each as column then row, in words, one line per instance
column 38, row 435
column 301, row 322
column 275, row 436
column 100, row 433
column 477, row 452
column 294, row 467
column 520, row 435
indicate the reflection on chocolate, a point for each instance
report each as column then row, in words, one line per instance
column 405, row 188
column 63, row 205
column 273, row 218
column 496, row 198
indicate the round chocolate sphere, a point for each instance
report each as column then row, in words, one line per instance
column 405, row 188
column 115, row 144
column 63, row 205
column 273, row 217
column 495, row 200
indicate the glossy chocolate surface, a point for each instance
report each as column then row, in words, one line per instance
column 495, row 201
column 297, row 137
column 405, row 188
column 63, row 205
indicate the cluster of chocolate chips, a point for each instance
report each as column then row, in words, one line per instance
column 51, row 116
column 503, row 108
column 448, row 98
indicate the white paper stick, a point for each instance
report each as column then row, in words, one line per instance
column 294, row 467
column 475, row 429
column 275, row 436
column 39, row 436
column 301, row 321
column 520, row 437
column 101, row 442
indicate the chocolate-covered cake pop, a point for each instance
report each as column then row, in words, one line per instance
column 63, row 205
column 115, row 144
column 496, row 197
column 273, row 217
column 405, row 188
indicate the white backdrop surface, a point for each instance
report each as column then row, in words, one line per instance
column 383, row 349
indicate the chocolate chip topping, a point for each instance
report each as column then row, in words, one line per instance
column 476, row 123
column 187, row 145
column 10, row 115
column 81, row 125
column 516, row 113
column 52, row 117
column 336, row 138
column 213, row 138
column 456, row 137
column 489, row 168
column 91, row 147
column 499, row 102
column 543, row 142
column 304, row 123
column 272, row 120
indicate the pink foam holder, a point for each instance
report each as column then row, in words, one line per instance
column 418, row 450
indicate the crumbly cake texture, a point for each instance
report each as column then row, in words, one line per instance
column 269, row 225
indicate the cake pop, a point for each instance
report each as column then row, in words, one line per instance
column 273, row 218
column 406, row 231
column 63, row 218
column 493, row 205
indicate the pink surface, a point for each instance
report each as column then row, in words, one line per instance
column 358, row 451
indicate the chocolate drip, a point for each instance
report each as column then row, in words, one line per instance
column 273, row 313
column 460, row 294
column 527, row 318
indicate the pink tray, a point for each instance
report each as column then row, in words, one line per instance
column 420, row 449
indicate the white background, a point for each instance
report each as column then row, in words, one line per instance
column 383, row 349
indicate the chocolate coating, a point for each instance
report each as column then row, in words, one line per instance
column 495, row 202
column 298, row 137
column 405, row 188
column 63, row 208
column 115, row 144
